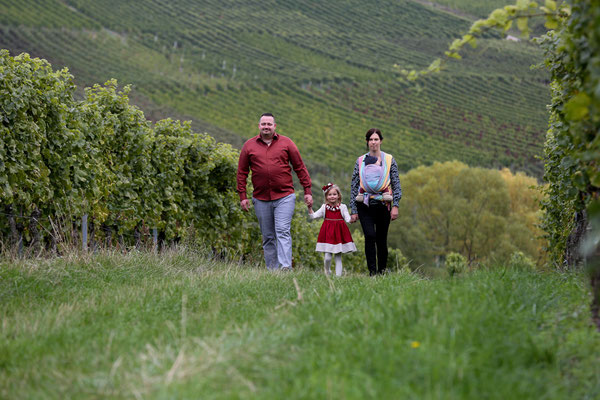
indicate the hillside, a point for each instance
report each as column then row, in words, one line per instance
column 326, row 70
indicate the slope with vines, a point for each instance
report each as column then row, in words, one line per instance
column 325, row 69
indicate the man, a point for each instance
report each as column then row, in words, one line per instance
column 268, row 155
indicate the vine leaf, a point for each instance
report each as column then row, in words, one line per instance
column 577, row 108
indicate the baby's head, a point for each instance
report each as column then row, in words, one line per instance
column 332, row 194
column 370, row 160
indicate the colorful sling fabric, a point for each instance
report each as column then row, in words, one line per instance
column 375, row 179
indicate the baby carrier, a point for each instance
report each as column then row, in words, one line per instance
column 375, row 179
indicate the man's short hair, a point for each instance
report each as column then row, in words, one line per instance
column 268, row 115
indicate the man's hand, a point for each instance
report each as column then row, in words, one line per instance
column 394, row 213
column 308, row 200
column 245, row 204
column 353, row 218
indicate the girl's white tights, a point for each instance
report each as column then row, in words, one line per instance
column 338, row 264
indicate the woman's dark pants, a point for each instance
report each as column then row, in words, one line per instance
column 375, row 221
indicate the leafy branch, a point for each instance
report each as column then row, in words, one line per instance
column 501, row 19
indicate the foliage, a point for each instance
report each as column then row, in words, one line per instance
column 40, row 143
column 35, row 103
column 501, row 19
column 118, row 142
column 520, row 260
column 304, row 240
column 61, row 159
column 455, row 264
column 571, row 150
column 101, row 157
column 481, row 214
column 396, row 260
column 323, row 70
column 572, row 145
column 523, row 225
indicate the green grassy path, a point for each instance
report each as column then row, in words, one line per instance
column 178, row 326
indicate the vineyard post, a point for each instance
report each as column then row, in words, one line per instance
column 84, row 232
column 155, row 239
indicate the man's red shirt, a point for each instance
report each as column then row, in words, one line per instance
column 271, row 171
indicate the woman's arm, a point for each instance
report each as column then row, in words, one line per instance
column 354, row 187
column 395, row 181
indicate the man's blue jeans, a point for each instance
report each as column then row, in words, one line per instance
column 275, row 221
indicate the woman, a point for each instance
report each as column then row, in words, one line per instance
column 374, row 197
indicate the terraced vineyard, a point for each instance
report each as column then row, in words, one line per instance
column 325, row 69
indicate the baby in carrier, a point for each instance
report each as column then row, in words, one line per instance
column 371, row 182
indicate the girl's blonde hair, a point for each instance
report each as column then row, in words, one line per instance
column 333, row 187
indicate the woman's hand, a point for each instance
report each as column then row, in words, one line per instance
column 394, row 213
column 353, row 218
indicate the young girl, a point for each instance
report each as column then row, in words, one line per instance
column 334, row 236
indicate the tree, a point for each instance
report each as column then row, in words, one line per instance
column 480, row 213
column 572, row 150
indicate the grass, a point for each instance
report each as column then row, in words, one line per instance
column 179, row 326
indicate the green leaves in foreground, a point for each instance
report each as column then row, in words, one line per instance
column 501, row 19
column 577, row 107
column 573, row 148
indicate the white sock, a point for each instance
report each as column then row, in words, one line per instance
column 327, row 260
column 338, row 264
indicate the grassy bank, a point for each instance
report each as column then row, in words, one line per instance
column 178, row 326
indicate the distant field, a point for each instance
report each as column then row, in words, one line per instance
column 178, row 326
column 477, row 8
column 325, row 69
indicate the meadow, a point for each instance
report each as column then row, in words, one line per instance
column 182, row 326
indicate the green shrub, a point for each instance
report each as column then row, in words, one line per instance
column 397, row 261
column 520, row 260
column 483, row 213
column 455, row 264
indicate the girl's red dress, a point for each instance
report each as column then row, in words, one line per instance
column 334, row 236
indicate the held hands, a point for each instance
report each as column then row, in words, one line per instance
column 245, row 204
column 308, row 200
column 393, row 215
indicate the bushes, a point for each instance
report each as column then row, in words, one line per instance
column 39, row 147
column 61, row 159
column 520, row 260
column 455, row 264
column 483, row 214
